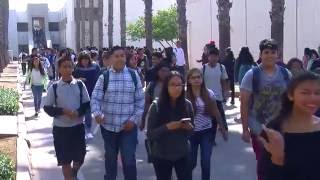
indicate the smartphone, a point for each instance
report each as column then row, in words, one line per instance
column 184, row 120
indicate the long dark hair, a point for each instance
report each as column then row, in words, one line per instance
column 287, row 104
column 33, row 58
column 164, row 103
column 84, row 55
column 204, row 93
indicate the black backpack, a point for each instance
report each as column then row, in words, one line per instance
column 55, row 86
column 106, row 75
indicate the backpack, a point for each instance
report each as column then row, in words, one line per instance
column 256, row 78
column 204, row 69
column 55, row 85
column 106, row 75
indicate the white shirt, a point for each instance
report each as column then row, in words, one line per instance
column 213, row 77
column 36, row 77
column 181, row 61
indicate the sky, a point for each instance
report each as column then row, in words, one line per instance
column 21, row 5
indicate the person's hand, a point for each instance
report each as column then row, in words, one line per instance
column 224, row 133
column 74, row 114
column 186, row 125
column 99, row 119
column 246, row 136
column 70, row 114
column 128, row 126
column 274, row 145
column 142, row 126
column 174, row 125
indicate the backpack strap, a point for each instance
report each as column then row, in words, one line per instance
column 55, row 86
column 106, row 75
column 80, row 85
column 255, row 79
column 285, row 75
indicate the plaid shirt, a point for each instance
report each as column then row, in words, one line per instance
column 121, row 102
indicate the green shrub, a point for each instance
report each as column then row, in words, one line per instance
column 7, row 169
column 9, row 101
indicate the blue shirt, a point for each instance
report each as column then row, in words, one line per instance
column 121, row 102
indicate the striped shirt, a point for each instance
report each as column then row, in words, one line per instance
column 202, row 120
column 121, row 101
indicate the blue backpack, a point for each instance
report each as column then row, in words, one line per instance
column 256, row 78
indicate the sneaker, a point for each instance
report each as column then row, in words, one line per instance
column 36, row 114
column 89, row 135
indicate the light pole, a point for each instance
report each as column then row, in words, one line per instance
column 211, row 19
column 297, row 29
column 246, row 19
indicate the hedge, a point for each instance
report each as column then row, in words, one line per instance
column 7, row 169
column 9, row 101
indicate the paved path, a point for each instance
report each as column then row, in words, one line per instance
column 230, row 160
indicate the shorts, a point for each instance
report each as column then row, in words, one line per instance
column 69, row 144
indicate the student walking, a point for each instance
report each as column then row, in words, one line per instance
column 37, row 79
column 206, row 111
column 117, row 105
column 292, row 142
column 170, row 124
column 88, row 72
column 67, row 102
column 260, row 87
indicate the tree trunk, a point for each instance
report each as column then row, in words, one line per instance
column 277, row 23
column 110, row 23
column 183, row 27
column 4, row 19
column 123, row 23
column 78, row 24
column 83, row 24
column 148, row 25
column 91, row 15
column 223, row 16
column 100, row 22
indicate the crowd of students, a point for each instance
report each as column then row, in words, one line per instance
column 180, row 110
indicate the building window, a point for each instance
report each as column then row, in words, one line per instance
column 22, row 27
column 23, row 47
column 53, row 26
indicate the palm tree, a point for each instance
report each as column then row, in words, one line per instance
column 123, row 22
column 223, row 16
column 183, row 27
column 110, row 23
column 148, row 25
column 277, row 23
column 4, row 19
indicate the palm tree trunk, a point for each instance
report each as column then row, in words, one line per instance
column 223, row 16
column 148, row 27
column 183, row 27
column 277, row 23
column 100, row 22
column 110, row 23
column 123, row 26
column 4, row 19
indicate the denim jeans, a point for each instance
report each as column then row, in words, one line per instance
column 37, row 96
column 163, row 169
column 126, row 143
column 204, row 139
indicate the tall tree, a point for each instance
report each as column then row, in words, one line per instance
column 4, row 19
column 123, row 22
column 223, row 16
column 277, row 23
column 148, row 24
column 183, row 27
column 110, row 23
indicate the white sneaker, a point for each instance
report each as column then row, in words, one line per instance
column 89, row 135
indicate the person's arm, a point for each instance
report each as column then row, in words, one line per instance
column 154, row 130
column 147, row 104
column 224, row 82
column 245, row 97
column 138, row 102
column 97, row 97
column 85, row 106
column 49, row 107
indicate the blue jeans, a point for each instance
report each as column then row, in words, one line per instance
column 37, row 96
column 126, row 143
column 204, row 139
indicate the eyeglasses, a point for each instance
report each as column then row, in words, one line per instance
column 195, row 77
column 176, row 85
